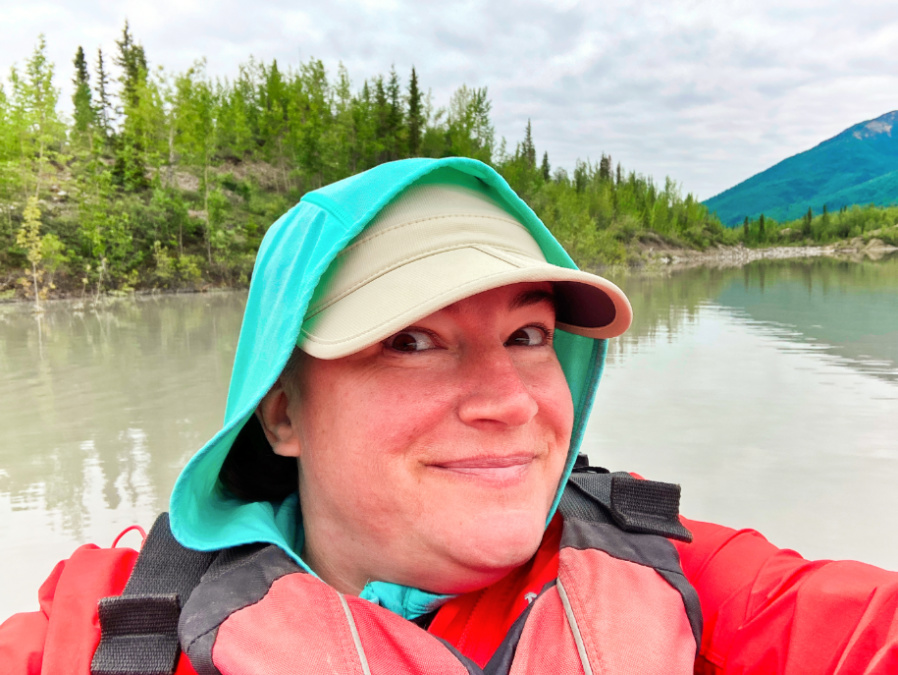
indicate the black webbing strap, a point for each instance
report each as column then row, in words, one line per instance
column 634, row 505
column 139, row 628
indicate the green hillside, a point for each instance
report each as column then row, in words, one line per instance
column 165, row 180
column 160, row 180
column 858, row 166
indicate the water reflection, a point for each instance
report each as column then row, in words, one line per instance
column 90, row 392
column 849, row 309
column 845, row 309
column 770, row 392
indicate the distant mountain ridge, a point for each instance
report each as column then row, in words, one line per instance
column 857, row 166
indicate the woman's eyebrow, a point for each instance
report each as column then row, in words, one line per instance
column 533, row 297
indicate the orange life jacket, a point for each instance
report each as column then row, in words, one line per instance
column 620, row 604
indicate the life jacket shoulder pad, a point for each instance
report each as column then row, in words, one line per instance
column 239, row 577
column 634, row 505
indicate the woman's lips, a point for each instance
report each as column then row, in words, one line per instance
column 498, row 470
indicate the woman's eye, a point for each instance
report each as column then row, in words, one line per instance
column 410, row 341
column 529, row 336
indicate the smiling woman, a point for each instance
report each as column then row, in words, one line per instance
column 397, row 487
column 465, row 421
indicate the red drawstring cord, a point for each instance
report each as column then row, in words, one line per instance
column 143, row 534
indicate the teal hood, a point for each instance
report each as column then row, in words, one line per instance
column 294, row 255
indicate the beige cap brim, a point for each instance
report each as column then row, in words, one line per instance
column 359, row 312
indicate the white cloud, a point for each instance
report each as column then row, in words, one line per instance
column 707, row 92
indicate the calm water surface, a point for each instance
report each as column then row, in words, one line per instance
column 770, row 393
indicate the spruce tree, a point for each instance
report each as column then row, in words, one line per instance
column 103, row 111
column 394, row 116
column 605, row 167
column 272, row 98
column 762, row 233
column 415, row 116
column 528, row 150
column 745, row 229
column 581, row 175
column 81, row 99
column 130, row 169
column 365, row 123
column 132, row 60
column 381, row 116
column 545, row 168
column 806, row 223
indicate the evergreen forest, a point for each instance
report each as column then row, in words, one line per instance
column 161, row 180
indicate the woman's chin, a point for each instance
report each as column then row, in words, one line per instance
column 486, row 556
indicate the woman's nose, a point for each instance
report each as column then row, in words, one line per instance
column 494, row 391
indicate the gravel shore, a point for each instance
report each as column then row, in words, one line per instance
column 736, row 256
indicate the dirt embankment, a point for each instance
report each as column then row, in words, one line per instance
column 736, row 256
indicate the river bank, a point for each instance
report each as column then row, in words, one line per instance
column 647, row 259
column 655, row 258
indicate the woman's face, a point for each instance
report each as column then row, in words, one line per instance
column 431, row 459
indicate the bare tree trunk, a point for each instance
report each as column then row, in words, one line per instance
column 100, row 278
column 40, row 164
column 37, row 296
column 206, row 207
column 282, row 165
column 171, row 157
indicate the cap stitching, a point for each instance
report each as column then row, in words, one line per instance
column 364, row 240
column 312, row 311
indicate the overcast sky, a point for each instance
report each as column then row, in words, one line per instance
column 708, row 93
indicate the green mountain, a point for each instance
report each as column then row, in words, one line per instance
column 858, row 166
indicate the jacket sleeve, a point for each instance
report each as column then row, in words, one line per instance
column 768, row 610
column 61, row 636
column 22, row 636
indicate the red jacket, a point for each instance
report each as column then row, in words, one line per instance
column 62, row 636
column 766, row 610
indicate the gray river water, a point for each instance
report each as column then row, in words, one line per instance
column 769, row 392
